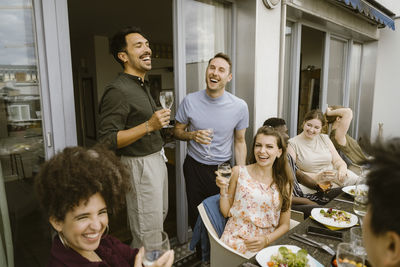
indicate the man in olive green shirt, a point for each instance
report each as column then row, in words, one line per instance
column 130, row 124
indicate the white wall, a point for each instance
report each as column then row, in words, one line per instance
column 266, row 63
column 387, row 81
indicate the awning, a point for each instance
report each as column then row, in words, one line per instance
column 369, row 11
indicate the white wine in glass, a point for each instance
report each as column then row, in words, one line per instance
column 155, row 245
column 166, row 99
column 225, row 171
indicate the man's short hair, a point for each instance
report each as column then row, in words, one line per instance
column 274, row 122
column 384, row 183
column 118, row 41
column 223, row 56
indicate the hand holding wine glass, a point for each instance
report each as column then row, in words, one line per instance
column 325, row 182
column 225, row 171
column 155, row 244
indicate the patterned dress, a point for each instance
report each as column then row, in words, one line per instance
column 255, row 212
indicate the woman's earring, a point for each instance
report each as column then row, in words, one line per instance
column 63, row 241
column 106, row 231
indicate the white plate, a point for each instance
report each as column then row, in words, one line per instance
column 347, row 189
column 264, row 255
column 315, row 213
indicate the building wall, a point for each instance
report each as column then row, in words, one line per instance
column 387, row 81
column 266, row 63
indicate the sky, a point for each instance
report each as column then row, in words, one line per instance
column 17, row 45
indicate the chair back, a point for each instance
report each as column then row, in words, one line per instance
column 221, row 254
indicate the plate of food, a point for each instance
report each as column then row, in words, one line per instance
column 333, row 217
column 351, row 190
column 273, row 256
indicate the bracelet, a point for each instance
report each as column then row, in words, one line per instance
column 147, row 128
column 267, row 239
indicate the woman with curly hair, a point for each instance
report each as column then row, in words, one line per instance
column 259, row 195
column 77, row 188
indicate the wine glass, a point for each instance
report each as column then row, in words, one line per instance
column 346, row 254
column 225, row 171
column 325, row 182
column 155, row 244
column 208, row 147
column 166, row 99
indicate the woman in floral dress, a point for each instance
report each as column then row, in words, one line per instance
column 259, row 195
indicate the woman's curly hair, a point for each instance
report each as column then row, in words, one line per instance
column 282, row 175
column 75, row 174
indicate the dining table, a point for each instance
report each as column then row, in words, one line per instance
column 342, row 202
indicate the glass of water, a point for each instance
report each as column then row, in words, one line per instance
column 357, row 240
column 361, row 196
column 166, row 99
column 225, row 171
column 208, row 147
column 155, row 244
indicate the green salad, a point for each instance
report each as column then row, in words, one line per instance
column 286, row 258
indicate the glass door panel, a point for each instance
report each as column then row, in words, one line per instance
column 312, row 41
column 336, row 71
column 208, row 27
column 287, row 73
column 354, row 88
column 202, row 28
column 21, row 134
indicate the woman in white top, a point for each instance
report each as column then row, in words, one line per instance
column 315, row 154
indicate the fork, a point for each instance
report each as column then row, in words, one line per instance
column 321, row 245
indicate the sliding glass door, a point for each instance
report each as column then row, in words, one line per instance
column 321, row 69
column 202, row 28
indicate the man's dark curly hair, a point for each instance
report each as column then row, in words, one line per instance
column 384, row 183
column 118, row 41
column 75, row 174
column 274, row 122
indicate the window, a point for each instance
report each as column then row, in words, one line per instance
column 207, row 32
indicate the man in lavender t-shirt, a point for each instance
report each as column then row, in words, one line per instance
column 228, row 116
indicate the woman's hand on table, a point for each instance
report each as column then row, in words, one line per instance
column 255, row 244
column 166, row 260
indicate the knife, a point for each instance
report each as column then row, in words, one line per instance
column 303, row 241
column 343, row 200
column 320, row 245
